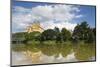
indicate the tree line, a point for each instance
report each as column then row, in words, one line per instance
column 82, row 32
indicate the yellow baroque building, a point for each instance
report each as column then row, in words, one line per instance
column 34, row 27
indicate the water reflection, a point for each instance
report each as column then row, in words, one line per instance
column 54, row 53
column 85, row 52
column 55, row 50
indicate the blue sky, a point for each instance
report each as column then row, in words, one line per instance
column 89, row 15
column 50, row 15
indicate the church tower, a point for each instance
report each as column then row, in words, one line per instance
column 35, row 26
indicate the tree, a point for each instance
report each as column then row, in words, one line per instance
column 66, row 35
column 94, row 32
column 83, row 32
column 19, row 36
column 59, row 37
column 56, row 29
column 76, row 33
column 48, row 34
column 90, row 37
column 29, row 36
column 58, row 34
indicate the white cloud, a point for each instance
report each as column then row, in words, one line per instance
column 20, row 18
column 55, row 12
column 79, row 16
column 52, row 25
column 49, row 16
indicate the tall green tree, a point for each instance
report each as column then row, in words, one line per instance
column 83, row 32
column 90, row 36
column 66, row 35
column 58, row 35
column 48, row 34
column 94, row 32
column 56, row 29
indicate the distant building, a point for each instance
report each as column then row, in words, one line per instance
column 35, row 27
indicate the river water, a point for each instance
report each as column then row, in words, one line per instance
column 19, row 58
column 53, row 54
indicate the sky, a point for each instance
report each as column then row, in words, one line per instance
column 50, row 15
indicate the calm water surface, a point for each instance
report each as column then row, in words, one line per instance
column 24, row 55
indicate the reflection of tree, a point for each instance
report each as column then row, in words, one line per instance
column 84, row 52
column 55, row 49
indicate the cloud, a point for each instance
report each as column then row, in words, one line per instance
column 48, row 15
column 21, row 17
column 55, row 12
column 79, row 16
column 52, row 25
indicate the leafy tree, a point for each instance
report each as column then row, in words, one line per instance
column 76, row 33
column 83, row 32
column 59, row 37
column 66, row 35
column 31, row 36
column 56, row 29
column 48, row 35
column 94, row 32
column 90, row 37
column 18, row 36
